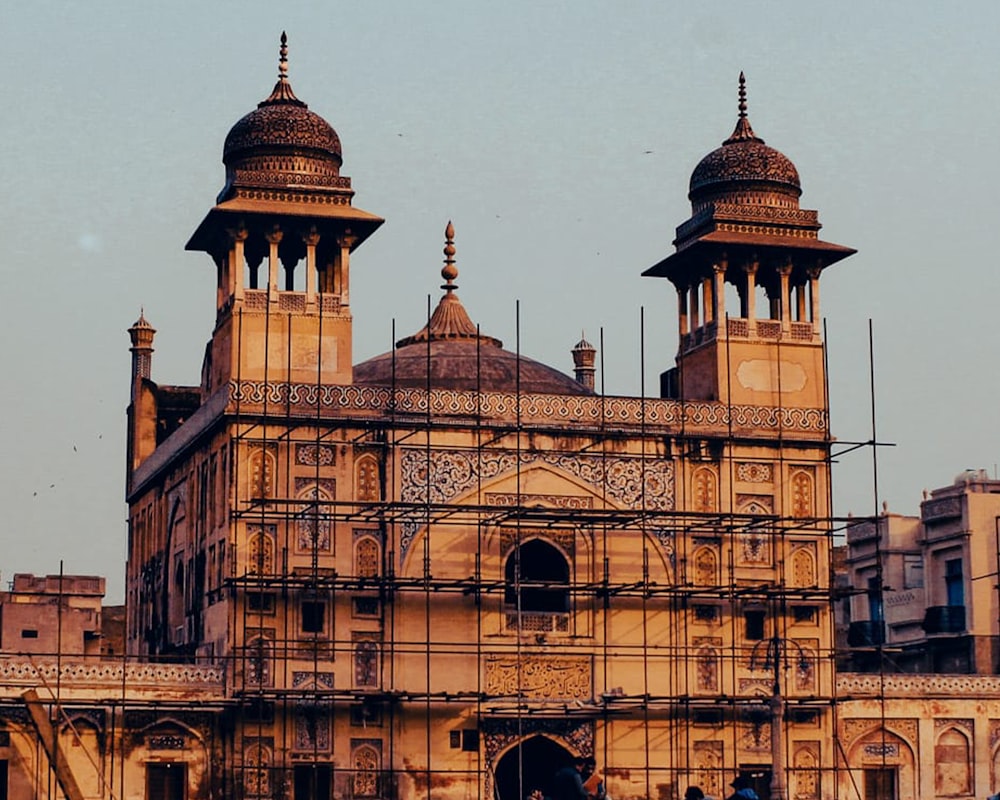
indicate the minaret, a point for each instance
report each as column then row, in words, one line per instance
column 281, row 235
column 141, row 333
column 584, row 356
column 747, row 229
column 142, row 399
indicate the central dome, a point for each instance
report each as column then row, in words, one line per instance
column 281, row 144
column 745, row 170
column 449, row 352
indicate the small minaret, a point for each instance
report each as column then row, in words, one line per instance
column 584, row 356
column 141, row 333
column 142, row 400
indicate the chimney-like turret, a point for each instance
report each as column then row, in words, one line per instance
column 584, row 356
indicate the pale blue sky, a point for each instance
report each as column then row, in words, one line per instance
column 528, row 124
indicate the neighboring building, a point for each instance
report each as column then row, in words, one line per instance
column 445, row 571
column 54, row 614
column 926, row 587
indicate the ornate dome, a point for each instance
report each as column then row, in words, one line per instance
column 450, row 353
column 282, row 144
column 745, row 164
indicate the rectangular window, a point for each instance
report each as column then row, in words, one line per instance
column 313, row 615
column 312, row 782
column 913, row 572
column 29, row 633
column 880, row 784
column 954, row 582
column 3, row 778
column 754, row 624
column 470, row 740
column 455, row 739
column 260, row 603
column 165, row 781
column 366, row 606
column 875, row 609
column 804, row 614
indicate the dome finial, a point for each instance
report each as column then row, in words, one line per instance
column 449, row 271
column 743, row 132
column 283, row 58
column 282, row 93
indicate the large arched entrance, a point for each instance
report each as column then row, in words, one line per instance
column 529, row 765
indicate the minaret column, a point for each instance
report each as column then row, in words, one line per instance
column 693, row 304
column 719, row 295
column 814, row 316
column 342, row 268
column 784, row 300
column 750, row 268
column 682, row 316
column 273, row 263
column 237, row 258
column 708, row 298
column 311, row 239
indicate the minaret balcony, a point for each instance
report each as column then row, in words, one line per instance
column 294, row 302
column 761, row 330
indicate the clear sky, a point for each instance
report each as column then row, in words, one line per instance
column 559, row 137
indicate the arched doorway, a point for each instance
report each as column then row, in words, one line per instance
column 529, row 765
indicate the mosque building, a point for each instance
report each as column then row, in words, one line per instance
column 446, row 571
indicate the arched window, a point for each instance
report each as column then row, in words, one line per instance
column 313, row 524
column 366, row 767
column 366, row 663
column 541, row 573
column 258, row 666
column 803, row 571
column 706, row 567
column 260, row 552
column 261, row 475
column 257, row 779
column 706, row 496
column 802, row 495
column 367, row 558
column 366, row 479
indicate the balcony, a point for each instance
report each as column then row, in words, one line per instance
column 866, row 633
column 944, row 619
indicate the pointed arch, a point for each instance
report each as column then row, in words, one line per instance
column 261, row 547
column 313, row 525
column 803, row 564
column 953, row 768
column 706, row 566
column 257, row 760
column 803, row 494
column 707, row 675
column 705, row 490
column 367, row 487
column 366, row 763
column 262, row 469
column 367, row 557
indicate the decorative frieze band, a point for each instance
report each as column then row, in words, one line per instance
column 653, row 414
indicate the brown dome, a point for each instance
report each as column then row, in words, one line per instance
column 462, row 365
column 278, row 125
column 283, row 145
column 745, row 164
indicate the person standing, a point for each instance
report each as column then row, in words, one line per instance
column 743, row 789
column 567, row 784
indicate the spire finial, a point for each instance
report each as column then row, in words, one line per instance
column 449, row 271
column 283, row 58
column 743, row 132
column 282, row 92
